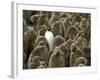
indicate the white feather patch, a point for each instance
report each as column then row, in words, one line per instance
column 50, row 38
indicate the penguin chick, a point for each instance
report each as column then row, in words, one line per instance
column 58, row 40
column 41, row 38
column 65, row 47
column 42, row 51
column 35, row 62
column 54, row 17
column 57, row 28
column 84, row 24
column 76, row 17
column 75, row 53
column 72, row 32
column 24, row 61
column 80, row 60
column 81, row 41
column 42, row 30
column 66, row 24
column 28, row 41
column 57, row 59
column 87, row 55
column 42, row 20
column 34, row 20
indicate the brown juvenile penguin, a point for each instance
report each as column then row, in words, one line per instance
column 42, row 51
column 34, row 62
column 29, row 39
column 27, row 16
column 72, row 32
column 65, row 47
column 75, row 53
column 87, row 33
column 76, row 17
column 24, row 61
column 66, row 24
column 87, row 55
column 42, row 30
column 42, row 20
column 58, row 40
column 57, row 28
column 41, row 38
column 54, row 17
column 80, row 60
column 81, row 41
column 57, row 59
column 84, row 24
column 34, row 20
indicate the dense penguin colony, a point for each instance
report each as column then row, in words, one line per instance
column 56, row 39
